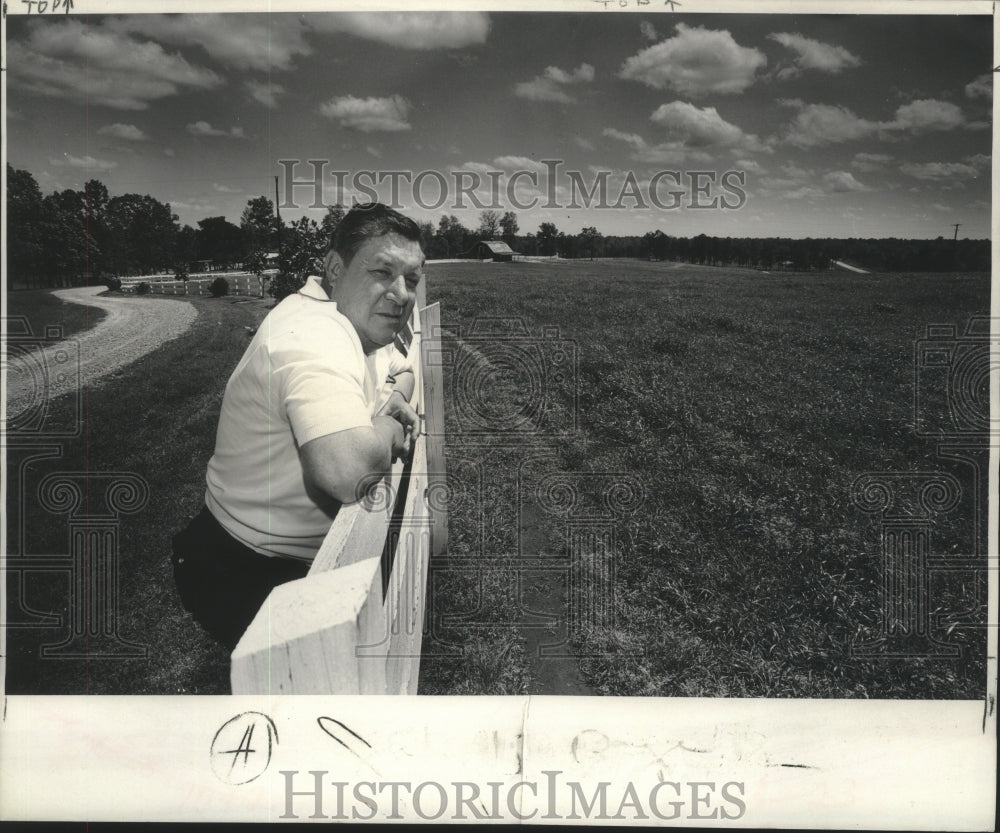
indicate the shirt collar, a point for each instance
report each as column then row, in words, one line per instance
column 314, row 289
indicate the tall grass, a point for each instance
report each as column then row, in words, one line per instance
column 747, row 404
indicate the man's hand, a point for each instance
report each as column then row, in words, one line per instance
column 391, row 430
column 402, row 411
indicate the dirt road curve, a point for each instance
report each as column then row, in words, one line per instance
column 132, row 328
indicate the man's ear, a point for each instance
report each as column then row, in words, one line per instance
column 333, row 265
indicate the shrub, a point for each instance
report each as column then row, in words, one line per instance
column 142, row 289
column 219, row 287
column 282, row 285
column 114, row 284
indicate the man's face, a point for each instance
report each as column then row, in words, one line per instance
column 377, row 290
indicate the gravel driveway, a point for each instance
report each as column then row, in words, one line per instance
column 132, row 328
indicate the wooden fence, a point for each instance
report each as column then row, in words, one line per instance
column 354, row 624
column 239, row 284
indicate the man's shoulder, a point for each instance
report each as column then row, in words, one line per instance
column 302, row 320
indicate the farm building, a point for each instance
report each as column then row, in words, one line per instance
column 499, row 251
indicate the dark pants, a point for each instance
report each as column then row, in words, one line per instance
column 222, row 582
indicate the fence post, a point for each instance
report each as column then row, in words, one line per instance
column 433, row 387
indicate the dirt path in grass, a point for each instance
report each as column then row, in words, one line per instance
column 132, row 328
column 552, row 665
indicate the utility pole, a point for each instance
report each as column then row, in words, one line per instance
column 956, row 230
column 277, row 230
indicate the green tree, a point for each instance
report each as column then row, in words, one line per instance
column 258, row 227
column 589, row 241
column 26, row 245
column 185, row 251
column 301, row 254
column 489, row 225
column 96, row 198
column 508, row 227
column 141, row 233
column 328, row 225
column 65, row 220
column 219, row 240
column 452, row 236
column 548, row 236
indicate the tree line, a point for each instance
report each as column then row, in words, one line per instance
column 88, row 236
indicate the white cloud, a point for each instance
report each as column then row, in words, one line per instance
column 939, row 171
column 749, row 165
column 813, row 54
column 203, row 128
column 664, row 152
column 126, row 132
column 820, row 124
column 799, row 183
column 869, row 162
column 168, row 152
column 805, row 192
column 927, row 114
column 981, row 87
column 195, row 205
column 586, row 144
column 695, row 62
column 795, row 171
column 839, row 182
column 648, row 31
column 241, row 41
column 633, row 139
column 225, row 189
column 265, row 92
column 368, row 114
column 409, row 30
column 89, row 62
column 549, row 86
column 980, row 160
column 518, row 163
column 87, row 163
column 700, row 127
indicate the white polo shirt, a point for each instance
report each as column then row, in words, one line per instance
column 303, row 376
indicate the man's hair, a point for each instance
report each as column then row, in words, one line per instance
column 368, row 220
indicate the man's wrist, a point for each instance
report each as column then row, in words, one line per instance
column 387, row 426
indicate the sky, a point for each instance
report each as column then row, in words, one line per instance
column 730, row 125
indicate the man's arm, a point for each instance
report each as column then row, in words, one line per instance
column 340, row 464
column 404, row 383
column 398, row 407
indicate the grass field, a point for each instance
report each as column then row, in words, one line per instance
column 744, row 406
column 43, row 309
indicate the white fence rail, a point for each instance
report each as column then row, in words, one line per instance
column 354, row 624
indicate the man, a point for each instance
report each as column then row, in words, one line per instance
column 316, row 409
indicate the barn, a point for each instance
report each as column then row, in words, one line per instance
column 499, row 251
